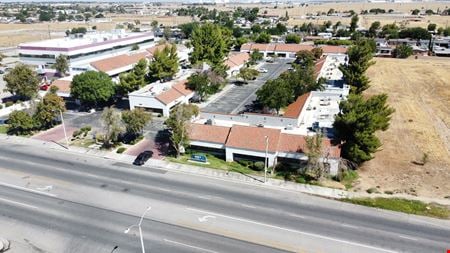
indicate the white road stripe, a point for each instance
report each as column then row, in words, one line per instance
column 293, row 231
column 407, row 237
column 297, row 216
column 27, row 189
column 18, row 203
column 249, row 206
column 348, row 226
column 190, row 246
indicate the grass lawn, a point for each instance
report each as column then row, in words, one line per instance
column 215, row 163
column 405, row 206
column 3, row 129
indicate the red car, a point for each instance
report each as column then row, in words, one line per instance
column 44, row 86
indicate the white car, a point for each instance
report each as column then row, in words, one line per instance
column 262, row 70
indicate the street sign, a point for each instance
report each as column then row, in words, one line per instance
column 199, row 158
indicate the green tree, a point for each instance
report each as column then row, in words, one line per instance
column 317, row 52
column 45, row 16
column 62, row 64
column 22, row 81
column 415, row 12
column 178, row 123
column 211, row 44
column 359, row 60
column 48, row 110
column 357, row 122
column 255, row 57
column 415, row 33
column 154, row 24
column 200, row 83
column 304, row 57
column 133, row 80
column 188, row 28
column 314, row 152
column 247, row 74
column 374, row 27
column 92, row 88
column 274, row 94
column 354, row 23
column 164, row 64
column 402, row 51
column 431, row 27
column 135, row 121
column 263, row 38
column 292, row 39
column 20, row 123
column 112, row 125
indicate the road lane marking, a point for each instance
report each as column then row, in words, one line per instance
column 26, row 189
column 297, row 216
column 348, row 226
column 205, row 218
column 407, row 237
column 190, row 246
column 292, row 230
column 18, row 203
column 249, row 206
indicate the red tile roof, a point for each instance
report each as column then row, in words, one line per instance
column 62, row 85
column 169, row 96
column 253, row 138
column 334, row 49
column 291, row 143
column 237, row 59
column 294, row 109
column 208, row 133
column 119, row 61
column 294, row 48
column 319, row 65
column 181, row 87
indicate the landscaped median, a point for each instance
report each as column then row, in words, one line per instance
column 404, row 205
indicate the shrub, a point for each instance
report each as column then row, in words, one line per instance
column 1, row 106
column 9, row 103
column 245, row 163
column 424, row 158
column 121, row 150
column 86, row 129
column 76, row 133
column 258, row 166
column 388, row 192
column 372, row 190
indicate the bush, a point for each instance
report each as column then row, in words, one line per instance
column 76, row 133
column 388, row 192
column 9, row 103
column 245, row 163
column 258, row 166
column 121, row 150
column 372, row 190
column 86, row 129
column 1, row 106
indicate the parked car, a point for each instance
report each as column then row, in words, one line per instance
column 262, row 70
column 143, row 157
column 270, row 60
column 44, row 86
column 2, row 72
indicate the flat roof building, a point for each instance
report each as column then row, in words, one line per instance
column 82, row 49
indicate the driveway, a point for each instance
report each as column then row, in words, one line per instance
column 55, row 134
column 156, row 139
column 238, row 96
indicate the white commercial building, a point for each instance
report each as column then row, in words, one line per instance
column 82, row 49
column 161, row 97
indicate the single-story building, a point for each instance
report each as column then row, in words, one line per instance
column 236, row 61
column 161, row 97
column 115, row 65
column 254, row 143
column 288, row 50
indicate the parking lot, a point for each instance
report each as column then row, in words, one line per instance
column 238, row 97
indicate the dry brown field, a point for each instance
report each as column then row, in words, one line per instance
column 13, row 34
column 419, row 90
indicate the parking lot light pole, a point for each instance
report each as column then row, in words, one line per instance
column 140, row 228
column 64, row 128
column 265, row 158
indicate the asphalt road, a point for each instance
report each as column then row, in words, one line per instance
column 237, row 97
column 97, row 198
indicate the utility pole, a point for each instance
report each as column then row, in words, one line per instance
column 266, row 158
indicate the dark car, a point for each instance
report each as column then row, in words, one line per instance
column 143, row 157
column 2, row 72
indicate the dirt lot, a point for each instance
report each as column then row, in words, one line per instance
column 419, row 91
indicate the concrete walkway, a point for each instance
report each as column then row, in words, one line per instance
column 218, row 174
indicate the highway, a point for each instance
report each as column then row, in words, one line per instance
column 85, row 204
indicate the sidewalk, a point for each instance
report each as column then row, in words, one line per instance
column 220, row 174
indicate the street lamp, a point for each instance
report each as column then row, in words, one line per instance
column 139, row 227
column 265, row 158
column 64, row 128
